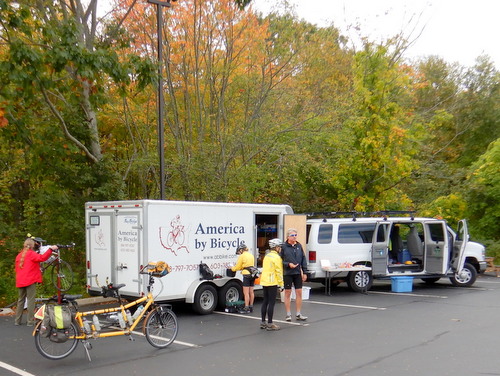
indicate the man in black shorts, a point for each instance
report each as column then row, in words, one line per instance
column 294, row 270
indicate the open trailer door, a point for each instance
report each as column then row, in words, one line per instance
column 298, row 222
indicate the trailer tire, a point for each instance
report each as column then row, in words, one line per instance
column 360, row 281
column 230, row 292
column 468, row 277
column 205, row 299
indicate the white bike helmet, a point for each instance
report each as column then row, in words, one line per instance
column 273, row 243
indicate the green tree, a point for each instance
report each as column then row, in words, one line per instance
column 483, row 193
column 380, row 137
column 479, row 114
column 55, row 67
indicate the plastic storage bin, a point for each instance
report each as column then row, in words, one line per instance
column 305, row 293
column 402, row 284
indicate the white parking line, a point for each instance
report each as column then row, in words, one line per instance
column 258, row 318
column 176, row 342
column 485, row 281
column 347, row 305
column 15, row 370
column 407, row 294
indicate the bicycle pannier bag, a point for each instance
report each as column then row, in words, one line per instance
column 60, row 316
column 56, row 321
column 59, row 335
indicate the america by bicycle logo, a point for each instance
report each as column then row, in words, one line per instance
column 206, row 237
column 174, row 238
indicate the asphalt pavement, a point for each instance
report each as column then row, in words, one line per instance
column 432, row 330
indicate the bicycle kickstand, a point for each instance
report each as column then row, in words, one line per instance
column 87, row 346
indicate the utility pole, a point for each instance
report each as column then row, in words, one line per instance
column 161, row 152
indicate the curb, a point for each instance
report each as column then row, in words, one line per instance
column 94, row 300
column 81, row 302
column 6, row 312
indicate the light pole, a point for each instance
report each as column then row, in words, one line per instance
column 159, row 23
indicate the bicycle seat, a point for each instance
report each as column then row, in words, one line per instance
column 71, row 297
column 115, row 287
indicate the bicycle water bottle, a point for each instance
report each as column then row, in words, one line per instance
column 86, row 326
column 129, row 317
column 97, row 324
column 138, row 312
column 121, row 321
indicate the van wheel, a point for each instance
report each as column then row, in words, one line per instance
column 466, row 278
column 360, row 281
column 230, row 292
column 205, row 299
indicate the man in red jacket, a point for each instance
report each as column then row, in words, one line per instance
column 28, row 274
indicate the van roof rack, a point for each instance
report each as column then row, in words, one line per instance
column 356, row 214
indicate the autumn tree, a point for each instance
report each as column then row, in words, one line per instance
column 56, row 62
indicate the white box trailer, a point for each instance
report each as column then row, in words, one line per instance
column 121, row 236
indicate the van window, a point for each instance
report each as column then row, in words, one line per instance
column 437, row 233
column 353, row 233
column 325, row 234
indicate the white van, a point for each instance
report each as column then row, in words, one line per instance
column 424, row 248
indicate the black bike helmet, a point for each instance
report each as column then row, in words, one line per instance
column 241, row 248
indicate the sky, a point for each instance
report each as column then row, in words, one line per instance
column 456, row 30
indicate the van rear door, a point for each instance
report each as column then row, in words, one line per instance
column 380, row 248
column 436, row 247
column 458, row 258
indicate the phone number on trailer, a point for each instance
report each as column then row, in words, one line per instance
column 192, row 267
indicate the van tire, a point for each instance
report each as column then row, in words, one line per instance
column 205, row 299
column 360, row 281
column 230, row 292
column 470, row 275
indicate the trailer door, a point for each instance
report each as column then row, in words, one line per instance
column 298, row 222
column 99, row 246
column 436, row 247
column 458, row 259
column 380, row 248
column 127, row 250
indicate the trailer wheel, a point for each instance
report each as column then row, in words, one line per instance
column 360, row 281
column 230, row 292
column 466, row 278
column 205, row 299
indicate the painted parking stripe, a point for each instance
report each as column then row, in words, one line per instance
column 258, row 318
column 347, row 305
column 408, row 294
column 176, row 342
column 15, row 370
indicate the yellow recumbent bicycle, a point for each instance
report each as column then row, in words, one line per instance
column 159, row 327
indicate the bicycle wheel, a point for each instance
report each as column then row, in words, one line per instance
column 160, row 327
column 65, row 274
column 56, row 350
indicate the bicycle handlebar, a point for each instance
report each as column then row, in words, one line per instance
column 72, row 245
